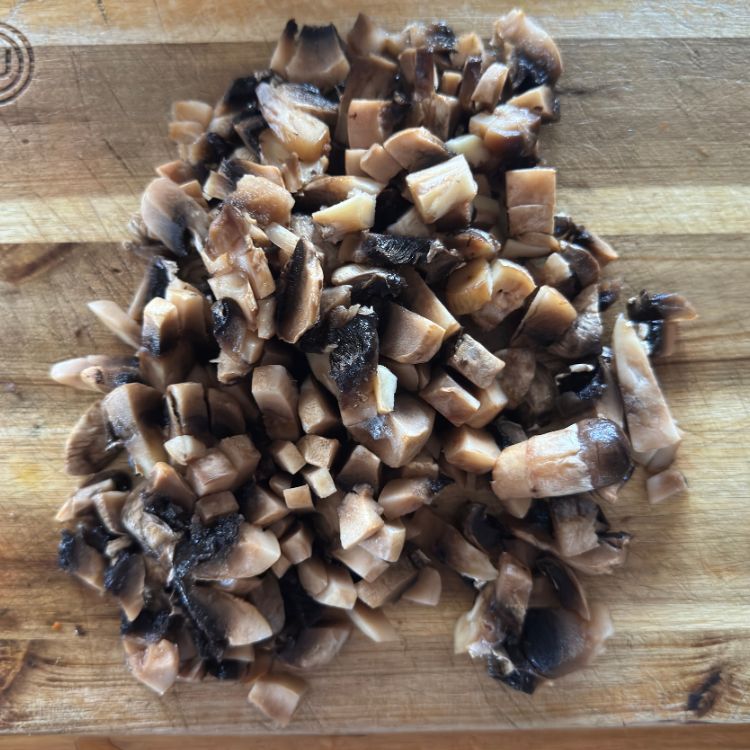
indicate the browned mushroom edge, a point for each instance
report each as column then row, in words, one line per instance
column 361, row 300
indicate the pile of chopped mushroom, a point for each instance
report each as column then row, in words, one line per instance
column 360, row 301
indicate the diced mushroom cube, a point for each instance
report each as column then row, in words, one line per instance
column 437, row 190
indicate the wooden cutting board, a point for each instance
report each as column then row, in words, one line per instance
column 653, row 153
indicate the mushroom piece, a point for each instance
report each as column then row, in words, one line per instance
column 586, row 455
column 556, row 641
column 533, row 44
column 315, row 646
column 212, row 472
column 277, row 397
column 340, row 592
column 478, row 631
column 173, row 217
column 277, row 696
column 650, row 423
column 372, row 76
column 117, row 320
column 211, row 507
column 287, row 456
column 359, row 516
column 373, row 623
column 154, row 664
column 647, row 307
column 369, row 121
column 423, row 301
column 329, row 189
column 253, row 552
column 397, row 437
column 540, row 100
column 492, row 400
column 547, row 318
column 426, row 589
column 299, row 131
column 133, row 414
column 318, row 58
column 402, row 496
column 165, row 356
column 449, row 398
column 446, row 544
column 389, row 585
column 567, row 587
column 387, row 543
column 87, row 448
column 351, row 215
column 263, row 199
column 584, row 336
column 378, row 164
column 410, row 338
column 510, row 134
column 261, row 507
column 125, row 579
column 316, row 414
column 511, row 284
column 242, row 454
column 296, row 543
column 518, row 373
column 416, row 148
column 474, row 362
column 470, row 287
column 78, row 557
column 362, row 467
column 490, row 86
column 665, row 484
column 574, row 524
column 320, row 480
column 385, row 390
column 360, row 561
column 439, row 189
column 471, row 449
column 188, row 410
column 513, row 588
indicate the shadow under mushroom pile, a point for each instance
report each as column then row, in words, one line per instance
column 360, row 300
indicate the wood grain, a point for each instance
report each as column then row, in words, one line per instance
column 652, row 151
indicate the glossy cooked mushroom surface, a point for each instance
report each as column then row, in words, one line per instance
column 369, row 352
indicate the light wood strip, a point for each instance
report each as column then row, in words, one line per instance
column 160, row 21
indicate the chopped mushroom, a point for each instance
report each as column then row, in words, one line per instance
column 277, row 696
column 373, row 623
column 133, row 413
column 359, row 516
column 409, row 338
column 664, row 485
column 437, row 190
column 587, row 455
column 154, row 664
column 650, row 423
column 359, row 299
column 426, row 589
column 87, row 448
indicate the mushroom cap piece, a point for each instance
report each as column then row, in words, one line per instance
column 133, row 413
column 298, row 298
column 172, row 216
column 87, row 448
column 318, row 58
